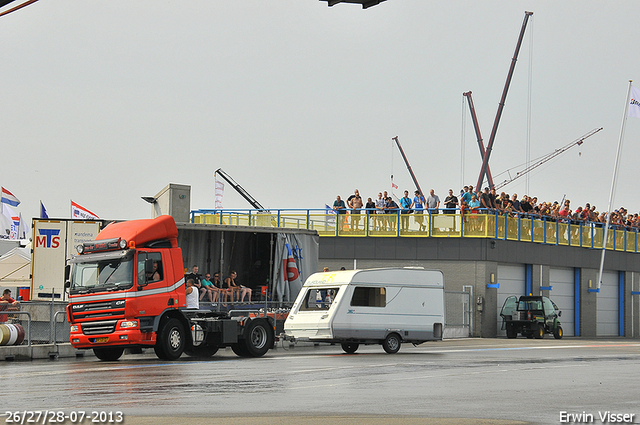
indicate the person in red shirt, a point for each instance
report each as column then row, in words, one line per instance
column 5, row 302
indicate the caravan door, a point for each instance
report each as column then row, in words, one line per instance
column 311, row 318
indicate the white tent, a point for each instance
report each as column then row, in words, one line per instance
column 15, row 267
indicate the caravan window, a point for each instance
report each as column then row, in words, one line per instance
column 364, row 296
column 319, row 299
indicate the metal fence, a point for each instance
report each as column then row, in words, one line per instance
column 457, row 314
column 44, row 322
column 489, row 224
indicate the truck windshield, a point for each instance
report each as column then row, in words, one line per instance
column 102, row 275
column 319, row 299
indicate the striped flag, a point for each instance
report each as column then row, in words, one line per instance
column 78, row 211
column 9, row 198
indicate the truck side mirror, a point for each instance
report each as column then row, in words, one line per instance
column 67, row 272
column 560, row 313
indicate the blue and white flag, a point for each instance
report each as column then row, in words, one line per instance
column 43, row 211
column 9, row 198
column 13, row 222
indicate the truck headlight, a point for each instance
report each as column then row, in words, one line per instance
column 129, row 324
column 75, row 328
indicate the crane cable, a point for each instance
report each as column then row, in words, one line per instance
column 27, row 3
column 462, row 140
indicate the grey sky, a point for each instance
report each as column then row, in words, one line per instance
column 107, row 101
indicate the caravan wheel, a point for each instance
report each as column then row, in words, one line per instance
column 391, row 343
column 349, row 347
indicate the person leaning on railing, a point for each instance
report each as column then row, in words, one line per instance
column 7, row 303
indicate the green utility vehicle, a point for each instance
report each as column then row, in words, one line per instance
column 531, row 316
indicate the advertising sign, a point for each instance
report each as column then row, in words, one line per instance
column 54, row 242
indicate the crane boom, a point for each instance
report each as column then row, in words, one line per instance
column 476, row 127
column 240, row 190
column 406, row 161
column 549, row 157
column 494, row 130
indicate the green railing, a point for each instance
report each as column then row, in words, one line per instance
column 482, row 225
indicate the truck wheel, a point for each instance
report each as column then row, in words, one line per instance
column 557, row 333
column 349, row 347
column 391, row 343
column 538, row 331
column 171, row 340
column 240, row 350
column 511, row 331
column 108, row 354
column 202, row 351
column 258, row 337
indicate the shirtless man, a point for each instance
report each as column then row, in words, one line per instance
column 355, row 203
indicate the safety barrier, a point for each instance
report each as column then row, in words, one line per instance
column 43, row 322
column 26, row 313
column 484, row 224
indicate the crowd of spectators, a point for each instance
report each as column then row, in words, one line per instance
column 480, row 202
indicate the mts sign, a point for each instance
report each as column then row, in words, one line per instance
column 48, row 238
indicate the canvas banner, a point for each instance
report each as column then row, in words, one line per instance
column 296, row 258
column 219, row 194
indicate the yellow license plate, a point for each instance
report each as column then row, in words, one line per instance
column 101, row 339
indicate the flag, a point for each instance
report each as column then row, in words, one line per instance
column 43, row 211
column 393, row 185
column 219, row 193
column 78, row 211
column 11, row 224
column 634, row 103
column 8, row 198
column 5, row 227
column 24, row 231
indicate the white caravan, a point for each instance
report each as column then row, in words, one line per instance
column 378, row 306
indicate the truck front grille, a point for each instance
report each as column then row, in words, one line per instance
column 99, row 328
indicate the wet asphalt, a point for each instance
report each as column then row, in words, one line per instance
column 479, row 381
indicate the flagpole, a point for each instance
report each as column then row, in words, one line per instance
column 613, row 184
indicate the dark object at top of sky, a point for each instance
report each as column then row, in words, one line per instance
column 365, row 3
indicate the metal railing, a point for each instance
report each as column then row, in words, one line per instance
column 43, row 324
column 484, row 224
column 28, row 335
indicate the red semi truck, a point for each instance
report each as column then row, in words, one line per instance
column 118, row 301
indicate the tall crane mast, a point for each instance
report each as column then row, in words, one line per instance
column 406, row 161
column 241, row 190
column 484, row 170
column 476, row 127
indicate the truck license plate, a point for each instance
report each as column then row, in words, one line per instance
column 101, row 339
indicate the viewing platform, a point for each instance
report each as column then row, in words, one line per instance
column 486, row 225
